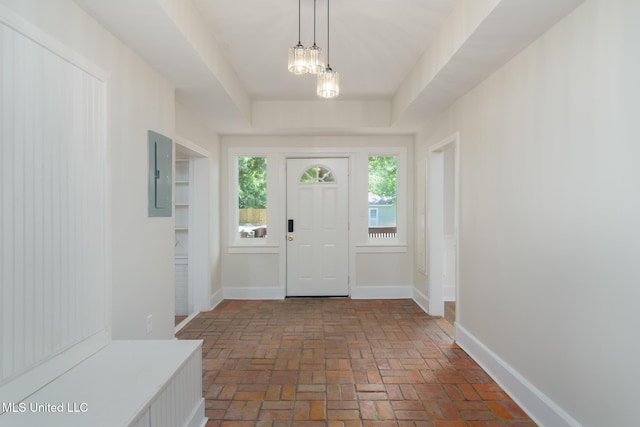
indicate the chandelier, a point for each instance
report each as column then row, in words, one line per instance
column 309, row 60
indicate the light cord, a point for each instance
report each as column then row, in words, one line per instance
column 314, row 22
column 328, row 66
column 299, row 22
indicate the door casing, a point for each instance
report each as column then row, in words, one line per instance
column 435, row 227
column 199, row 276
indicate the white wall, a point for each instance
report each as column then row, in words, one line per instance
column 550, row 201
column 139, row 100
column 262, row 275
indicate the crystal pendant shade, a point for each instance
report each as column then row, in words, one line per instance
column 314, row 58
column 328, row 83
column 298, row 60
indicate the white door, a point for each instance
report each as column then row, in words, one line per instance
column 318, row 227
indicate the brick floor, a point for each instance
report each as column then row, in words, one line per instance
column 340, row 363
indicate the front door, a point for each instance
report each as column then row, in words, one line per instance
column 318, row 227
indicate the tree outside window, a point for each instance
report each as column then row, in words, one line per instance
column 382, row 196
column 252, row 197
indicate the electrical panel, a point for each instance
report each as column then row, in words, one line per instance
column 160, row 176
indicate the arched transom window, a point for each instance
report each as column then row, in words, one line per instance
column 317, row 174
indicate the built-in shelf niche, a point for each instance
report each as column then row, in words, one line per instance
column 182, row 208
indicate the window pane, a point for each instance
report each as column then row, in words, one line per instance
column 252, row 197
column 382, row 196
column 317, row 174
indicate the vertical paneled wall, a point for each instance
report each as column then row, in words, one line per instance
column 53, row 203
column 181, row 397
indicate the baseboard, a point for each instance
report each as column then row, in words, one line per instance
column 365, row 292
column 381, row 292
column 421, row 299
column 448, row 293
column 185, row 322
column 215, row 299
column 252, row 293
column 536, row 404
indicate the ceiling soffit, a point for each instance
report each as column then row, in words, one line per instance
column 473, row 41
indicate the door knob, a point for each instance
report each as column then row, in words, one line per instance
column 290, row 238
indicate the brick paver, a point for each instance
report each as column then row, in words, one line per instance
column 340, row 363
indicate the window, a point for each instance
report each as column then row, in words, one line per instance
column 383, row 196
column 317, row 174
column 373, row 217
column 252, row 197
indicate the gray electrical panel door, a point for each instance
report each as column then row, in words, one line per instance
column 160, row 181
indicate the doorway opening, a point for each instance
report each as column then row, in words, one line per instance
column 443, row 214
column 191, row 258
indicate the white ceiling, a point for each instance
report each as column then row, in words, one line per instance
column 373, row 42
column 398, row 60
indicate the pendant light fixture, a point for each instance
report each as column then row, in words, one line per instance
column 314, row 53
column 298, row 60
column 328, row 80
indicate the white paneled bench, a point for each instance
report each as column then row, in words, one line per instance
column 127, row 383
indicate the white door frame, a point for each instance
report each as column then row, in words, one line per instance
column 199, row 275
column 435, row 226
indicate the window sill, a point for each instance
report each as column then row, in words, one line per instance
column 380, row 247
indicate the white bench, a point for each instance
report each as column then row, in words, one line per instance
column 127, row 383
